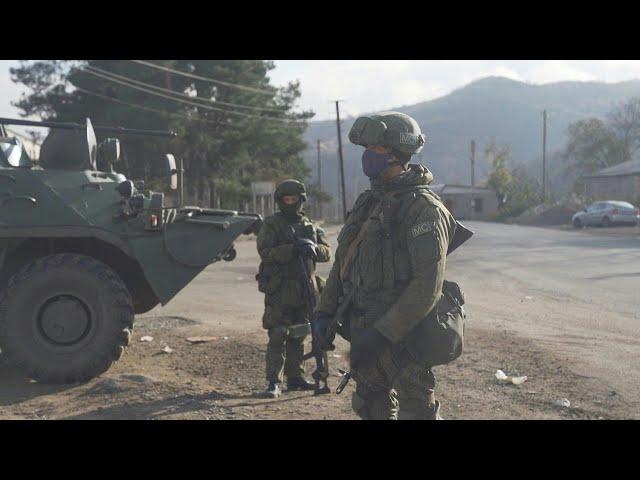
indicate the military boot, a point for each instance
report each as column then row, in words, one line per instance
column 299, row 383
column 273, row 390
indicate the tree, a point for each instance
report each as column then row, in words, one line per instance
column 244, row 135
column 625, row 123
column 500, row 179
column 515, row 189
column 592, row 145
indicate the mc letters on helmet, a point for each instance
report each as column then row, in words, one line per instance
column 390, row 129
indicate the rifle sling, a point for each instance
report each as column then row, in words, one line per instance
column 356, row 241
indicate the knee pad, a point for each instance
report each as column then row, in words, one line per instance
column 298, row 332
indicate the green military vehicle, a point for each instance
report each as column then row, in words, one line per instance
column 83, row 249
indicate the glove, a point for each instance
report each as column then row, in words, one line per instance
column 305, row 248
column 366, row 347
column 323, row 332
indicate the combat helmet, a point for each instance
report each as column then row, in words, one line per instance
column 393, row 130
column 290, row 187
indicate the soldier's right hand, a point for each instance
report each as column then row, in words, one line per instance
column 323, row 331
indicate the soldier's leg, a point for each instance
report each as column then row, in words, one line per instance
column 374, row 398
column 415, row 385
column 276, row 353
column 374, row 404
column 275, row 323
column 294, row 364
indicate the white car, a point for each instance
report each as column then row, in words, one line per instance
column 606, row 214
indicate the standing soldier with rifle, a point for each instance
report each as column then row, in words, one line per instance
column 289, row 245
column 386, row 293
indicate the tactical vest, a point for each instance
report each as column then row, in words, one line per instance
column 381, row 269
column 281, row 281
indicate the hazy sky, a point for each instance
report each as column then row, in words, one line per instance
column 369, row 85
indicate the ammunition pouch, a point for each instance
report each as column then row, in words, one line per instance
column 269, row 278
column 439, row 338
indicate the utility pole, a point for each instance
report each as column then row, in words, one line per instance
column 344, row 193
column 473, row 163
column 319, row 183
column 544, row 155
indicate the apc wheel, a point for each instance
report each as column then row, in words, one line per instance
column 577, row 223
column 65, row 318
column 606, row 222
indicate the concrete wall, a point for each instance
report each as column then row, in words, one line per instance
column 625, row 188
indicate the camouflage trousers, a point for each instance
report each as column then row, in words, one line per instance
column 394, row 388
column 284, row 350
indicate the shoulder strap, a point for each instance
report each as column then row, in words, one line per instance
column 346, row 260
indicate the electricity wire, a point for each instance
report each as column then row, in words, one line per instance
column 206, row 79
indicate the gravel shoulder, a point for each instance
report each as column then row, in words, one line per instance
column 223, row 380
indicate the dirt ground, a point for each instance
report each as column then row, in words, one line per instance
column 223, row 380
column 521, row 320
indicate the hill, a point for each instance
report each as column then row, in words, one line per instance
column 507, row 110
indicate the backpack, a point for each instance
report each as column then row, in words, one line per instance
column 439, row 338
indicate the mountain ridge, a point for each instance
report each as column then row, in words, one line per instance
column 508, row 110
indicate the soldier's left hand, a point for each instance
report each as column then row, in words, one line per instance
column 367, row 347
column 306, row 248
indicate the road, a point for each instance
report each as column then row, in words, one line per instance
column 574, row 292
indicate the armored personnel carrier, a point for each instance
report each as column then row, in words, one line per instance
column 83, row 249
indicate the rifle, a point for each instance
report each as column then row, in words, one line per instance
column 310, row 292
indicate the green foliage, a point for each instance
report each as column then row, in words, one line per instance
column 500, row 179
column 594, row 144
column 224, row 149
column 515, row 189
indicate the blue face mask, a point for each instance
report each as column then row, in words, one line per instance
column 373, row 163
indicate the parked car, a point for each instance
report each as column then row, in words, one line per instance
column 606, row 214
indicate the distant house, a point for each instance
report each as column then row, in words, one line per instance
column 466, row 202
column 620, row 182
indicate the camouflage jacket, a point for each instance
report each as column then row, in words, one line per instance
column 395, row 273
column 279, row 263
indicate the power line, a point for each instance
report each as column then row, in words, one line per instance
column 180, row 94
column 344, row 193
column 206, row 79
column 207, row 107
column 162, row 112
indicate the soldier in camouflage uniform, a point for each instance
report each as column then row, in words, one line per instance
column 389, row 271
column 282, row 238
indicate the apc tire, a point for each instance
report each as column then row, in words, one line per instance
column 64, row 318
column 606, row 222
column 577, row 223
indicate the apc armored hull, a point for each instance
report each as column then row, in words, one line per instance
column 81, row 252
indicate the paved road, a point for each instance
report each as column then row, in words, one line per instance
column 576, row 292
